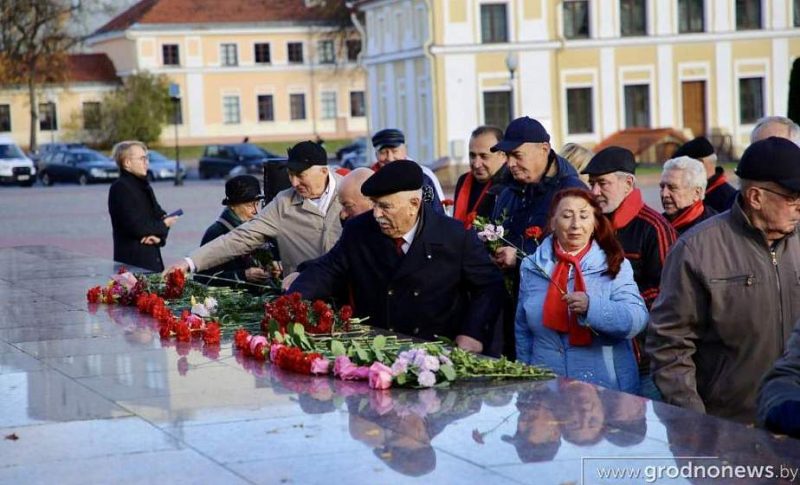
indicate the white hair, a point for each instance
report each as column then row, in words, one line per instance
column 792, row 129
column 623, row 175
column 694, row 173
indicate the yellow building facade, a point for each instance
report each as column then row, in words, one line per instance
column 272, row 71
column 586, row 69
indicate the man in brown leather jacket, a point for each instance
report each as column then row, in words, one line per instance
column 730, row 291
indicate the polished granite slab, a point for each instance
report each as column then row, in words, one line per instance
column 92, row 395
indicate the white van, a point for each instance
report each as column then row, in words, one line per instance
column 15, row 167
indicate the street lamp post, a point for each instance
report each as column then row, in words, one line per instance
column 512, row 62
column 175, row 97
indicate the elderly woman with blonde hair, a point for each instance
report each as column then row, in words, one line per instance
column 578, row 156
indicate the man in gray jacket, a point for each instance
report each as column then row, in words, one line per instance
column 303, row 219
column 729, row 291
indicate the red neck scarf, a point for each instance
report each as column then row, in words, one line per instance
column 376, row 166
column 627, row 210
column 555, row 314
column 721, row 180
column 688, row 216
column 462, row 210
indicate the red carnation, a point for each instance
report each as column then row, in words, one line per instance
column 93, row 295
column 346, row 313
column 533, row 232
column 182, row 331
column 212, row 334
column 165, row 330
column 240, row 338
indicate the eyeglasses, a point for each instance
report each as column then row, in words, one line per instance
column 793, row 200
column 143, row 158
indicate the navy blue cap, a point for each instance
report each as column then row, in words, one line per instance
column 698, row 148
column 521, row 130
column 611, row 159
column 242, row 188
column 398, row 176
column 390, row 137
column 772, row 160
column 304, row 155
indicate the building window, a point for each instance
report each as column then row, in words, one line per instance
column 326, row 52
column 576, row 19
column 266, row 109
column 328, row 102
column 47, row 117
column 797, row 13
column 751, row 100
column 748, row 14
column 494, row 23
column 262, row 53
column 297, row 106
column 230, row 110
column 5, row 117
column 229, row 55
column 579, row 111
column 91, row 115
column 353, row 49
column 357, row 107
column 170, row 55
column 497, row 108
column 295, row 52
column 633, row 14
column 691, row 16
column 637, row 106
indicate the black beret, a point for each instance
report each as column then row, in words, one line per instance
column 611, row 159
column 772, row 160
column 390, row 137
column 242, row 188
column 304, row 155
column 698, row 148
column 521, row 130
column 394, row 177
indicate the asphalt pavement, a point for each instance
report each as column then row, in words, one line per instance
column 76, row 217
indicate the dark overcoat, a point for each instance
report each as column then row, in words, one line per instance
column 445, row 285
column 135, row 213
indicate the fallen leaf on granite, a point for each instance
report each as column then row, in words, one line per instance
column 12, row 437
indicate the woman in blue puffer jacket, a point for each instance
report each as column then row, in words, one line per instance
column 579, row 306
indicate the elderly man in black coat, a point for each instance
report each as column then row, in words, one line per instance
column 139, row 224
column 410, row 269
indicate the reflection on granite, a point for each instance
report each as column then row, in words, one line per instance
column 94, row 395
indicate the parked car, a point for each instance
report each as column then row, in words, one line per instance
column 219, row 160
column 359, row 145
column 15, row 167
column 161, row 167
column 50, row 148
column 80, row 165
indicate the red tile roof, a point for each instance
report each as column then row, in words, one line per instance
column 638, row 140
column 83, row 68
column 224, row 11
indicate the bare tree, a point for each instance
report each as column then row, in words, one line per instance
column 35, row 39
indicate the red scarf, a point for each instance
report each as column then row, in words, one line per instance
column 376, row 166
column 462, row 211
column 688, row 216
column 627, row 210
column 555, row 314
column 720, row 181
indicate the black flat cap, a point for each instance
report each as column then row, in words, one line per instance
column 772, row 160
column 394, row 177
column 390, row 137
column 698, row 148
column 242, row 188
column 306, row 154
column 521, row 130
column 611, row 159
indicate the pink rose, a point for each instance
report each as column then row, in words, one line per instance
column 341, row 363
column 273, row 351
column 348, row 371
column 255, row 341
column 319, row 366
column 380, row 376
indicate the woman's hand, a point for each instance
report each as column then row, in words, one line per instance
column 505, row 258
column 577, row 302
column 169, row 221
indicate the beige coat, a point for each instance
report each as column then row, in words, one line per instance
column 302, row 232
